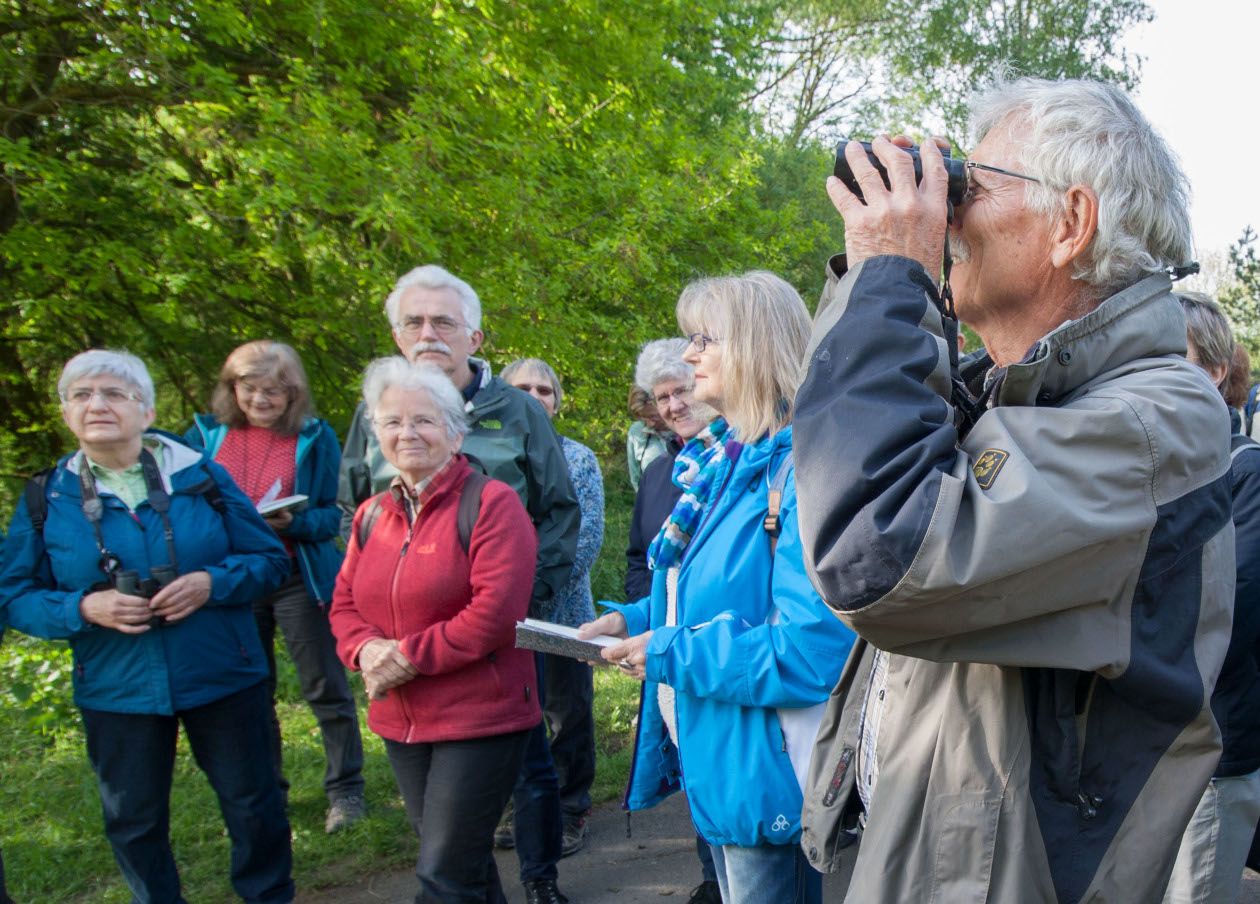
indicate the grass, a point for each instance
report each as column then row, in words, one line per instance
column 50, row 831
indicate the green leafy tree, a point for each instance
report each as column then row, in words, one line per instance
column 1240, row 298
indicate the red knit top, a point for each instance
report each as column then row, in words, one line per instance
column 257, row 457
column 455, row 614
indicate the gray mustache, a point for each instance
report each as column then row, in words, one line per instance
column 421, row 347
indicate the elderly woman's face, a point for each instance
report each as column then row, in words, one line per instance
column 412, row 432
column 675, row 402
column 263, row 400
column 105, row 411
column 538, row 386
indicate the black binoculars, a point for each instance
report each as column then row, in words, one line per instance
column 956, row 167
column 130, row 583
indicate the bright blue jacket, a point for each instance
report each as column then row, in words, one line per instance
column 733, row 663
column 314, row 528
column 210, row 654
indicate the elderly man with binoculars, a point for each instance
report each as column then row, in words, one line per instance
column 1035, row 547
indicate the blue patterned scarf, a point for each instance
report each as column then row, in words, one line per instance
column 699, row 470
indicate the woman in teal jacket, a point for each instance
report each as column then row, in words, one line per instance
column 145, row 556
column 737, row 651
column 263, row 432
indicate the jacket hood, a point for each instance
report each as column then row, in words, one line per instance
column 1142, row 321
column 175, row 457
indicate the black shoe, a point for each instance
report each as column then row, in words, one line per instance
column 706, row 893
column 574, row 837
column 543, row 891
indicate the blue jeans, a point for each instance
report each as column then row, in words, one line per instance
column 537, row 826
column 133, row 756
column 454, row 792
column 766, row 874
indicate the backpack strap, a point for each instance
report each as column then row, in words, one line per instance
column 772, row 523
column 35, row 494
column 368, row 521
column 469, row 507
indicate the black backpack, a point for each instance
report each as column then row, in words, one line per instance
column 465, row 518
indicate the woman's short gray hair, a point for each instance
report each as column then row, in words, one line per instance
column 398, row 372
column 661, row 360
column 1208, row 328
column 538, row 365
column 114, row 362
column 431, row 276
column 1090, row 133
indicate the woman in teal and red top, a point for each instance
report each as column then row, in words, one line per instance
column 262, row 430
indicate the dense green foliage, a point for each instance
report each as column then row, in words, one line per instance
column 183, row 176
column 178, row 176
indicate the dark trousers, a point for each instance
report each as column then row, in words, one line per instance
column 536, row 826
column 4, row 893
column 324, row 686
column 133, row 756
column 454, row 792
column 570, row 716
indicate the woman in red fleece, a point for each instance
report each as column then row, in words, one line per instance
column 432, row 625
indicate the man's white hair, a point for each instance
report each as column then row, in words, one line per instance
column 1080, row 132
column 431, row 276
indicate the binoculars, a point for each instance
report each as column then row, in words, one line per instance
column 956, row 167
column 130, row 583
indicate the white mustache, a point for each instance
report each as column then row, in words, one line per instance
column 959, row 250
column 421, row 347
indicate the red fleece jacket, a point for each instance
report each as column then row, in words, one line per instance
column 454, row 613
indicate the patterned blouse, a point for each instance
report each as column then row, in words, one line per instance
column 574, row 605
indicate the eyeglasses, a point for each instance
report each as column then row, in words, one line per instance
column 971, row 165
column 394, row 425
column 680, row 394
column 699, row 341
column 414, row 326
column 267, row 392
column 110, row 395
column 543, row 389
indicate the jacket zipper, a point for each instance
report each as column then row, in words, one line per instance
column 394, row 615
column 1086, row 804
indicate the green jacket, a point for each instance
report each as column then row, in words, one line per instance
column 512, row 439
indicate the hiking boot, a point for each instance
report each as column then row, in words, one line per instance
column 706, row 893
column 574, row 837
column 345, row 811
column 504, row 839
column 543, row 891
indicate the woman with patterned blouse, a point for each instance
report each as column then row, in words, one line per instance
column 569, row 690
column 262, row 430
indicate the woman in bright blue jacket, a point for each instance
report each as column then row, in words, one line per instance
column 263, row 432
column 737, row 651
column 146, row 557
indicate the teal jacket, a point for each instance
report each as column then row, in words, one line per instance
column 754, row 653
column 205, row 657
column 314, row 529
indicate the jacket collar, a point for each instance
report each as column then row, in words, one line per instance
column 172, row 458
column 439, row 484
column 1142, row 321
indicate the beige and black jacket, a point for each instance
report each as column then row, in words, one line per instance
column 1054, row 585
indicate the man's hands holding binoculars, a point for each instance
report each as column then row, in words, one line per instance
column 904, row 217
